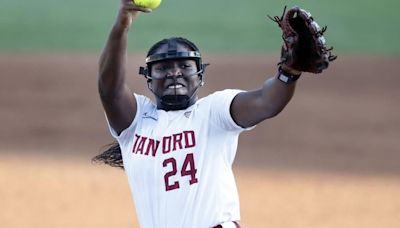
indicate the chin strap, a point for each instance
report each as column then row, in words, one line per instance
column 178, row 102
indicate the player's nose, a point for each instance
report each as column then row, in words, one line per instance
column 174, row 72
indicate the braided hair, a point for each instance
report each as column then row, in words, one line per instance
column 180, row 40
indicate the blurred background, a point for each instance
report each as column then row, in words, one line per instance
column 330, row 159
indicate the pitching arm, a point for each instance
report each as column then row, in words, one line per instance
column 117, row 99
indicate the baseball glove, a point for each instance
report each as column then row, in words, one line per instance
column 304, row 47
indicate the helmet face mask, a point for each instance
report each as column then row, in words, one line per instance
column 192, row 55
column 164, row 69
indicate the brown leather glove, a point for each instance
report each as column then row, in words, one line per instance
column 304, row 48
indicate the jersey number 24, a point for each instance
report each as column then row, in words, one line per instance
column 188, row 169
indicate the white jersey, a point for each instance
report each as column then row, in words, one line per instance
column 179, row 163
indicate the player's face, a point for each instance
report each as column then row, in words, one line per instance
column 175, row 76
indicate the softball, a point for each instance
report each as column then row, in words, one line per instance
column 151, row 4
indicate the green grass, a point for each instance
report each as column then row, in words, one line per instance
column 227, row 26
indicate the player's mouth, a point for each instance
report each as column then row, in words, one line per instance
column 175, row 86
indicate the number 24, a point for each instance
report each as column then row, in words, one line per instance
column 188, row 169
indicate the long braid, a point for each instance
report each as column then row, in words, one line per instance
column 112, row 156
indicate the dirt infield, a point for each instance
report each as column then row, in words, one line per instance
column 331, row 159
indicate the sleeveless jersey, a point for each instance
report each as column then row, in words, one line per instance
column 179, row 163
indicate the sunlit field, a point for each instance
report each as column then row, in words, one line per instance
column 41, row 192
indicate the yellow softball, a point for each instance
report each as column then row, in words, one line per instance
column 151, row 4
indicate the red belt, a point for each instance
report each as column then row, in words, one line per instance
column 236, row 224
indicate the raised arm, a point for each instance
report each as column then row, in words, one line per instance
column 117, row 99
column 250, row 108
column 303, row 50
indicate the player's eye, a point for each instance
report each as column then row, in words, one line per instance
column 160, row 67
column 185, row 65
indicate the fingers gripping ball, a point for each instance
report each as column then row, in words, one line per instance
column 151, row 4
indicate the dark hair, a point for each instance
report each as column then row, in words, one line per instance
column 111, row 155
column 180, row 40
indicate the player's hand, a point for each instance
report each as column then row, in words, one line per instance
column 130, row 6
column 128, row 11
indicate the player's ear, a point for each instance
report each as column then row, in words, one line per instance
column 201, row 83
column 150, row 85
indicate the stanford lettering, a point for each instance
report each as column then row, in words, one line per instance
column 152, row 145
column 148, row 146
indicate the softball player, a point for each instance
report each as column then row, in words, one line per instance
column 178, row 152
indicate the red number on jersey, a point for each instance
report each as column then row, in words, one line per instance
column 188, row 169
column 175, row 185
